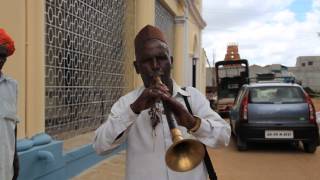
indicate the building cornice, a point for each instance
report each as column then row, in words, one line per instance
column 196, row 14
column 180, row 19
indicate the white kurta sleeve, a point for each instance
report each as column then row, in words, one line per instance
column 214, row 131
column 118, row 123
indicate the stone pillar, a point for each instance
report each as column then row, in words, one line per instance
column 35, row 68
column 179, row 50
column 145, row 14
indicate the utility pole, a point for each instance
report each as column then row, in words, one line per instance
column 213, row 69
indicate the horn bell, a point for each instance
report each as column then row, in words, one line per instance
column 184, row 155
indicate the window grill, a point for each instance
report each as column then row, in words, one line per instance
column 165, row 21
column 84, row 63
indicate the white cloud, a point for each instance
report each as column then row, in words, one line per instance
column 267, row 31
column 285, row 16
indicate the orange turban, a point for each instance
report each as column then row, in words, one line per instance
column 148, row 33
column 7, row 42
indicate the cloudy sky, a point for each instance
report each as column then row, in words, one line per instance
column 267, row 31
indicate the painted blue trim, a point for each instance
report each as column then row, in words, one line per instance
column 48, row 162
column 33, row 166
column 37, row 140
column 41, row 139
column 46, row 156
column 85, row 157
column 24, row 144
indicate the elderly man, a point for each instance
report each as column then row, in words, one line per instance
column 138, row 118
column 8, row 110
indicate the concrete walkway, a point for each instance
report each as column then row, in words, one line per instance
column 112, row 168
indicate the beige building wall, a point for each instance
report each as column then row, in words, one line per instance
column 145, row 15
column 132, row 80
column 24, row 21
column 188, row 27
column 196, row 24
column 201, row 78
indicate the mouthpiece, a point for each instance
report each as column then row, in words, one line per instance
column 157, row 80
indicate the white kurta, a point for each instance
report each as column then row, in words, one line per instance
column 146, row 149
column 8, row 120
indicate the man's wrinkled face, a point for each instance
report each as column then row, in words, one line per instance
column 3, row 56
column 152, row 59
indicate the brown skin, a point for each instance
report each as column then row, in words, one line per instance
column 154, row 59
column 3, row 57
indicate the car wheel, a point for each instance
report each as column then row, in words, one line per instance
column 309, row 147
column 241, row 144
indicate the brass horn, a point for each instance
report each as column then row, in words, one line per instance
column 184, row 154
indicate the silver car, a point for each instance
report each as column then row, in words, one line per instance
column 274, row 112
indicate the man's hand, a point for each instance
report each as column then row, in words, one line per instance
column 181, row 114
column 160, row 92
column 150, row 96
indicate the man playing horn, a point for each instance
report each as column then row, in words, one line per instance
column 147, row 133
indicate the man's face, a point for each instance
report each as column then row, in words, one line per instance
column 3, row 56
column 152, row 59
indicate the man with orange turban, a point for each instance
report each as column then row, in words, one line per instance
column 8, row 113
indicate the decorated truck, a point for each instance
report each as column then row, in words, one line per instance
column 230, row 76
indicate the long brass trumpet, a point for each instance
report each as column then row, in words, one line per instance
column 184, row 154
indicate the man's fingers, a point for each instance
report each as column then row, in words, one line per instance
column 162, row 87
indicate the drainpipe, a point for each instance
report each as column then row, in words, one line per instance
column 186, row 43
column 194, row 69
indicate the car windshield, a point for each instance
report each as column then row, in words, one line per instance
column 283, row 95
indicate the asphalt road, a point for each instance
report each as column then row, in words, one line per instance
column 266, row 162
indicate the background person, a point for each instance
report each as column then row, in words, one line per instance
column 9, row 164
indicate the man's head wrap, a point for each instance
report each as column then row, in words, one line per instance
column 7, row 42
column 147, row 33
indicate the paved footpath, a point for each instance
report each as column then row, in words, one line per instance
column 112, row 168
column 260, row 162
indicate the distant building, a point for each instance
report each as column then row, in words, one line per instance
column 307, row 71
column 210, row 77
column 278, row 70
column 232, row 52
column 256, row 69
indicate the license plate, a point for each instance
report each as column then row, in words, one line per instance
column 282, row 134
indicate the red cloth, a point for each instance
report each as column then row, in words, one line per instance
column 6, row 40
